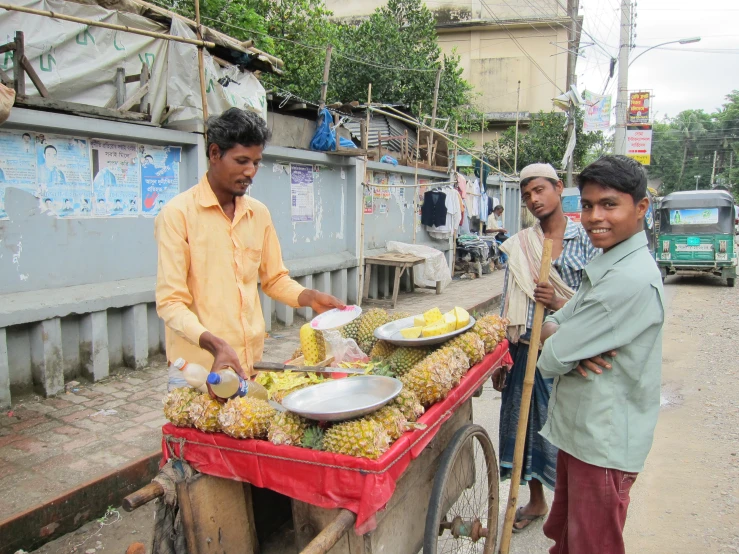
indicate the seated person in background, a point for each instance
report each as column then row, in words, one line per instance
column 495, row 226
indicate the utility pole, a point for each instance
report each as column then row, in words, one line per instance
column 622, row 98
column 713, row 171
column 573, row 6
column 515, row 144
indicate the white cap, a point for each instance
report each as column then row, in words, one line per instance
column 539, row 170
column 180, row 363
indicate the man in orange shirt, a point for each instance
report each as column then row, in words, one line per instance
column 214, row 242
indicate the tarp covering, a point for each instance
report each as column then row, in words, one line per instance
column 435, row 268
column 321, row 478
column 78, row 63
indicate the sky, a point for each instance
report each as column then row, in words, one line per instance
column 681, row 77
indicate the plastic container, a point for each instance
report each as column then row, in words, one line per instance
column 227, row 384
column 182, row 373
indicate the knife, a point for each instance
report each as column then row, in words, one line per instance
column 273, row 366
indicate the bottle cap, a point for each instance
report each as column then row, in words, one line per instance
column 214, row 379
column 180, row 363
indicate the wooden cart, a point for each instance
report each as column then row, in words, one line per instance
column 446, row 500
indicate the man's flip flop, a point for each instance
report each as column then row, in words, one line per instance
column 525, row 517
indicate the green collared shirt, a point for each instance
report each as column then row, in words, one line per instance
column 608, row 420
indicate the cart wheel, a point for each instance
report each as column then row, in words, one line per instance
column 463, row 510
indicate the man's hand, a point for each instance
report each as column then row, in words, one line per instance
column 224, row 355
column 596, row 364
column 499, row 378
column 544, row 293
column 319, row 302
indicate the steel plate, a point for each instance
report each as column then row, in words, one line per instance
column 390, row 332
column 342, row 399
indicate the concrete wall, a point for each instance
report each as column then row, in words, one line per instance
column 457, row 10
column 77, row 295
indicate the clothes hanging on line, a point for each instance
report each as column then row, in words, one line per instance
column 453, row 212
column 434, row 209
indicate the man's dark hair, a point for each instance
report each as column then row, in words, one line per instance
column 50, row 147
column 235, row 126
column 527, row 180
column 498, row 207
column 616, row 172
column 150, row 157
column 25, row 135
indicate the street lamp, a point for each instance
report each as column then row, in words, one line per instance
column 681, row 41
column 697, row 178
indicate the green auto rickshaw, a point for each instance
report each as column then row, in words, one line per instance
column 696, row 233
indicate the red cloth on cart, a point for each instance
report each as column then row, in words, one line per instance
column 321, row 478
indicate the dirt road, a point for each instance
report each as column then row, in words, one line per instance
column 687, row 498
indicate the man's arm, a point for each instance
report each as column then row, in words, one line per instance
column 277, row 284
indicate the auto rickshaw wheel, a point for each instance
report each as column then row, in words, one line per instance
column 730, row 281
column 463, row 509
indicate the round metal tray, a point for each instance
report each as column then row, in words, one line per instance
column 390, row 332
column 341, row 399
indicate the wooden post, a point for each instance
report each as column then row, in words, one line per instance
column 120, row 87
column 144, row 107
column 415, row 175
column 19, row 76
column 324, row 83
column 201, row 65
column 482, row 135
column 361, row 191
column 436, row 98
column 515, row 144
column 523, row 417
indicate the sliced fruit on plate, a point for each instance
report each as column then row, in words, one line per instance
column 411, row 332
column 419, row 321
column 463, row 317
column 435, row 329
column 432, row 316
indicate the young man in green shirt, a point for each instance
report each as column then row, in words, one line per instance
column 603, row 419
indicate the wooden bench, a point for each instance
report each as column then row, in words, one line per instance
column 401, row 263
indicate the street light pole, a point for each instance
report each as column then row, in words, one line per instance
column 619, row 139
column 681, row 41
column 697, row 178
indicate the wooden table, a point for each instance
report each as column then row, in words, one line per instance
column 401, row 263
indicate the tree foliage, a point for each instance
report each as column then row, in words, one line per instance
column 684, row 146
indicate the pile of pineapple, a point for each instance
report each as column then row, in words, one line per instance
column 427, row 374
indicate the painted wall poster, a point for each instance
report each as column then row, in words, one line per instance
column 17, row 164
column 160, row 176
column 368, row 202
column 381, row 179
column 63, row 175
column 116, row 182
column 301, row 193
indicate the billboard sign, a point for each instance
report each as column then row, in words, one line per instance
column 639, row 106
column 639, row 143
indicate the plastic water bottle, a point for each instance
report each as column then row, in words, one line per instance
column 228, row 384
column 182, row 374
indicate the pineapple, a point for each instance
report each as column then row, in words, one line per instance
column 382, row 349
column 312, row 344
column 246, row 418
column 431, row 380
column 286, row 428
column 456, row 361
column 498, row 324
column 280, row 394
column 177, row 406
column 298, row 352
column 489, row 335
column 313, row 438
column 360, row 437
column 472, row 345
column 409, row 405
column 392, row 420
column 351, row 329
column 371, row 320
column 399, row 315
column 383, row 369
column 204, row 412
column 403, row 359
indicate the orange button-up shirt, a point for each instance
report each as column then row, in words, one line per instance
column 207, row 274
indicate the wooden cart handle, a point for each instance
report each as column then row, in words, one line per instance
column 142, row 496
column 331, row 533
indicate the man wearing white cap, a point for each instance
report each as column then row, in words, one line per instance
column 541, row 191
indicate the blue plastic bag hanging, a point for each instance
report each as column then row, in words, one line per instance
column 324, row 140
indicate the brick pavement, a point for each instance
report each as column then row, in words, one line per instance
column 49, row 446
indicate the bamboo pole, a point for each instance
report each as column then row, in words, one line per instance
column 415, row 176
column 201, row 67
column 523, row 417
column 439, row 132
column 515, row 146
column 93, row 23
column 361, row 204
column 324, row 83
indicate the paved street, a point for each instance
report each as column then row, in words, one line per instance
column 686, row 500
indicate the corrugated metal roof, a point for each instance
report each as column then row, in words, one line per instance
column 387, row 127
